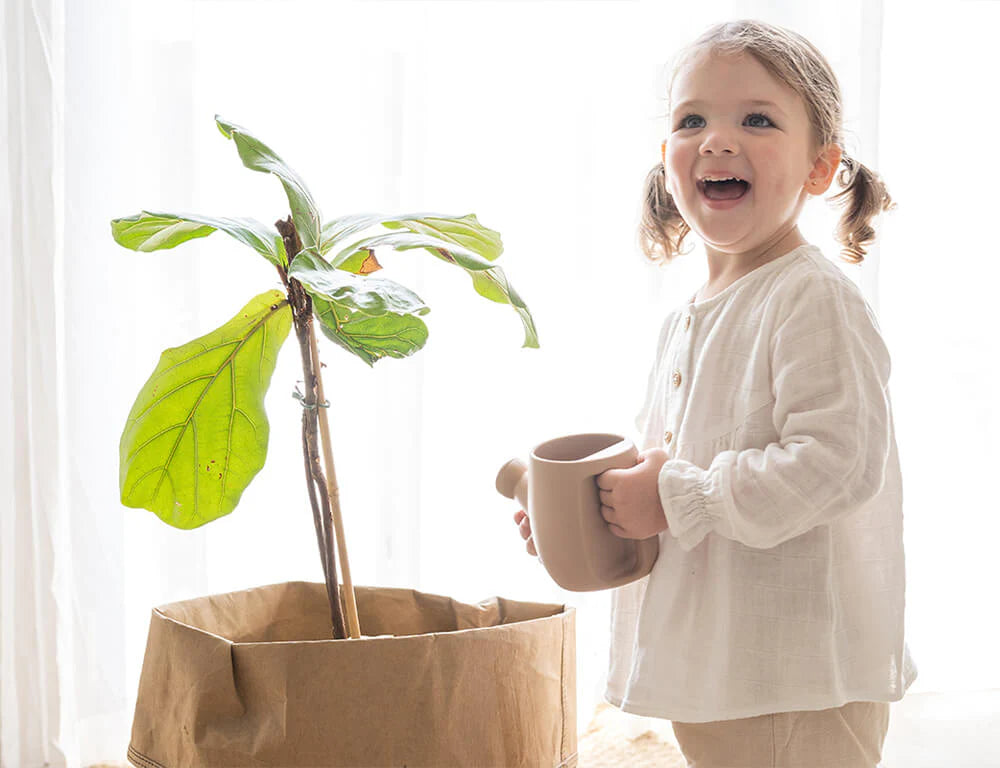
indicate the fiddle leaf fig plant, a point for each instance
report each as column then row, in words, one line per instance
column 197, row 433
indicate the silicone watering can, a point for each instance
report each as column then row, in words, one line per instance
column 558, row 490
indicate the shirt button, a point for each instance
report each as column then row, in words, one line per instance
column 677, row 378
column 668, row 436
column 687, row 322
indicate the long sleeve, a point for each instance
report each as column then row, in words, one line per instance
column 829, row 372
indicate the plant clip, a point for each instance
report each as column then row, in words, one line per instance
column 302, row 401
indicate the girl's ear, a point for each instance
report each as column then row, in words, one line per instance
column 663, row 164
column 824, row 169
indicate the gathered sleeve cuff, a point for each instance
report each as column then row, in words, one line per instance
column 691, row 499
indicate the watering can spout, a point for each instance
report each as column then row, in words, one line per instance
column 512, row 481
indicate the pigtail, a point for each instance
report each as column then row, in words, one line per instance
column 661, row 229
column 864, row 197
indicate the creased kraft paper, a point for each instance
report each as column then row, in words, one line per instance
column 253, row 678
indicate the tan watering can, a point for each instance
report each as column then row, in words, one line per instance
column 558, row 490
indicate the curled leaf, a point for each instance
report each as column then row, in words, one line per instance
column 370, row 317
column 149, row 231
column 257, row 156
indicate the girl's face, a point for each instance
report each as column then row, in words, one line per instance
column 719, row 127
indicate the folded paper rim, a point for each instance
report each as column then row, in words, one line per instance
column 226, row 607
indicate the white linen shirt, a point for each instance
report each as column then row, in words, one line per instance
column 780, row 582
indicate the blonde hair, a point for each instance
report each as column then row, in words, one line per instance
column 794, row 61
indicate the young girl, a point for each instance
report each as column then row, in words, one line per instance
column 770, row 630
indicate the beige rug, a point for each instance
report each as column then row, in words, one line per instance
column 616, row 739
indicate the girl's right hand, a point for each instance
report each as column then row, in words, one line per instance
column 524, row 526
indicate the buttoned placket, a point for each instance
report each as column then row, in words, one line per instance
column 677, row 378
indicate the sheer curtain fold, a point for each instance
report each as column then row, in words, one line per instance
column 545, row 129
column 36, row 686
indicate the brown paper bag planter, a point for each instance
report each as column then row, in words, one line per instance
column 252, row 678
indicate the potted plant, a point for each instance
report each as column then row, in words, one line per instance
column 283, row 674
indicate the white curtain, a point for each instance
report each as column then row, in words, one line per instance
column 543, row 119
column 34, row 542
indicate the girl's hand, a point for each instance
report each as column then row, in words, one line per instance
column 630, row 498
column 524, row 526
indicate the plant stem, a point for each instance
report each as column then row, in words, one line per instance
column 313, row 503
column 333, row 492
column 301, row 305
column 308, row 423
column 316, row 476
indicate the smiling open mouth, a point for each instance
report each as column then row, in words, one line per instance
column 731, row 189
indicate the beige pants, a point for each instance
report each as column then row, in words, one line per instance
column 850, row 736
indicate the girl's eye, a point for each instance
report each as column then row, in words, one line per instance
column 753, row 115
column 759, row 114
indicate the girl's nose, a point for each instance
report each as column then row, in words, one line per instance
column 718, row 141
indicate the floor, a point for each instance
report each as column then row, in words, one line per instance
column 614, row 739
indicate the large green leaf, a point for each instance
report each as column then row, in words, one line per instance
column 149, row 231
column 462, row 241
column 370, row 317
column 257, row 156
column 197, row 433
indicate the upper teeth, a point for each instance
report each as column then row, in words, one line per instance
column 724, row 178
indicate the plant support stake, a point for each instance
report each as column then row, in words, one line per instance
column 333, row 494
column 312, row 377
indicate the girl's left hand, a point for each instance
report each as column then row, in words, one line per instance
column 630, row 498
